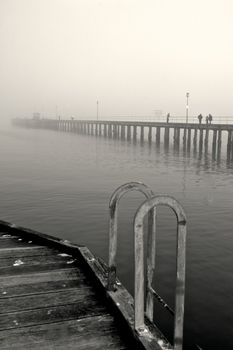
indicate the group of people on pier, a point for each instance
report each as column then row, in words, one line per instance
column 208, row 118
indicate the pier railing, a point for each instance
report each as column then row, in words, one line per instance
column 149, row 207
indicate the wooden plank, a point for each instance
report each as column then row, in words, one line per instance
column 14, row 266
column 92, row 333
column 36, row 260
column 34, row 301
column 26, row 251
column 31, row 278
column 18, row 269
column 86, row 307
column 42, row 287
column 12, row 242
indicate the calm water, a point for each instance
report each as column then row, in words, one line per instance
column 60, row 183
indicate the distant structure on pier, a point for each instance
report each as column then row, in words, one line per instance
column 36, row 116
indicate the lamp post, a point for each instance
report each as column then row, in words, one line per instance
column 97, row 110
column 187, row 107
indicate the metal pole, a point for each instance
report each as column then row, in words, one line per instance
column 187, row 107
column 97, row 110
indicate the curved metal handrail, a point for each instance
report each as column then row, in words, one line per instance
column 113, row 216
column 147, row 206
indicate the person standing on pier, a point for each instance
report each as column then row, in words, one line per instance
column 210, row 118
column 200, row 118
column 168, row 117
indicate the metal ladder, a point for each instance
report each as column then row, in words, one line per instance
column 149, row 207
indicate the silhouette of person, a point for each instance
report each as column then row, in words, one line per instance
column 168, row 116
column 200, row 118
column 210, row 118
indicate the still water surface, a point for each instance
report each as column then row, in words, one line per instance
column 60, row 183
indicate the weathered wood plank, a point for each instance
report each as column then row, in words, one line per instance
column 26, row 251
column 12, row 266
column 42, row 287
column 34, row 301
column 31, row 278
column 88, row 306
column 91, row 333
column 36, row 260
column 11, row 242
column 18, row 269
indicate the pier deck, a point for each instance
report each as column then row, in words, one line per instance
column 54, row 295
column 47, row 300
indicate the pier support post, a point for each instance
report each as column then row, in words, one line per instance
column 128, row 132
column 150, row 134
column 195, row 141
column 114, row 131
column 100, row 129
column 206, row 139
column 178, row 138
column 184, row 138
column 122, row 132
column 201, row 141
column 166, row 136
column 229, row 145
column 110, row 131
column 214, row 144
column 135, row 133
column 117, row 131
column 174, row 137
column 158, row 135
column 219, row 143
column 189, row 139
column 142, row 134
column 231, row 154
column 105, row 130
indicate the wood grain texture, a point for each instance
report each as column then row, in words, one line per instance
column 52, row 298
column 12, row 242
column 88, row 306
column 25, row 251
column 25, row 265
column 91, row 333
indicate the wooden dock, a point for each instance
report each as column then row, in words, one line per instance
column 53, row 295
column 47, row 301
column 58, row 295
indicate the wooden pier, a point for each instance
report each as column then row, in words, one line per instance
column 185, row 135
column 58, row 295
column 46, row 298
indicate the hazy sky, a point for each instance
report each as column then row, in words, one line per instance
column 134, row 56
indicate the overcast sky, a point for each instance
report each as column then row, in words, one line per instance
column 134, row 56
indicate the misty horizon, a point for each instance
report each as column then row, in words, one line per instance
column 136, row 58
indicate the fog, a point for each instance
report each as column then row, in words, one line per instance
column 135, row 57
